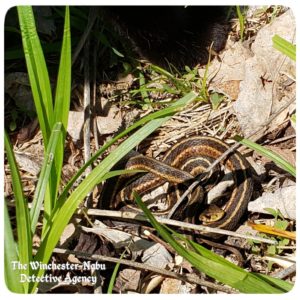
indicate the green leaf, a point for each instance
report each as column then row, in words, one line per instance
column 118, row 53
column 114, row 275
column 286, row 286
column 281, row 224
column 169, row 89
column 63, row 87
column 269, row 154
column 44, row 177
column 103, row 39
column 61, row 113
column 179, row 84
column 284, row 47
column 142, row 82
column 204, row 83
column 272, row 211
column 22, row 214
column 270, row 265
column 241, row 21
column 37, row 70
column 216, row 99
column 272, row 250
column 250, row 282
column 293, row 119
column 212, row 264
column 11, row 274
column 282, row 243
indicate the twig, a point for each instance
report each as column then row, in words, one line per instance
column 87, row 105
column 187, row 277
column 156, row 239
column 286, row 272
column 87, row 113
column 94, row 95
column 141, row 217
column 92, row 18
column 285, row 138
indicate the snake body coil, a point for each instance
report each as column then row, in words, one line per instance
column 181, row 164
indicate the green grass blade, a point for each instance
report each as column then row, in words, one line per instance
column 22, row 213
column 44, row 177
column 37, row 70
column 168, row 111
column 114, row 275
column 143, row 92
column 61, row 112
column 63, row 89
column 282, row 163
column 277, row 283
column 204, row 85
column 284, row 47
column 286, row 286
column 212, row 265
column 181, row 86
column 241, row 21
column 10, row 255
column 48, row 48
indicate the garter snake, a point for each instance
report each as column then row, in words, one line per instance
column 180, row 165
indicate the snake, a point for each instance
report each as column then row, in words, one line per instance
column 182, row 163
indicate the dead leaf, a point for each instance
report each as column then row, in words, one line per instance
column 26, row 133
column 231, row 88
column 153, row 283
column 258, row 98
column 111, row 120
column 121, row 239
column 28, row 163
column 75, row 124
column 128, row 280
column 157, row 256
column 283, row 199
column 68, row 232
column 273, row 230
column 175, row 286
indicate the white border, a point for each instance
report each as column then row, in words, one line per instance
column 5, row 5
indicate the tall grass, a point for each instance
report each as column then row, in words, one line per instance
column 53, row 117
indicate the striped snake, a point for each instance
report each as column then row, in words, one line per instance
column 181, row 164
